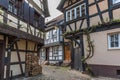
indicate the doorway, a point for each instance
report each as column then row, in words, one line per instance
column 2, row 51
column 77, row 59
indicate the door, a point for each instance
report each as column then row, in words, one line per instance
column 77, row 59
column 67, row 53
column 1, row 60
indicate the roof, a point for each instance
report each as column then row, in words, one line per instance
column 45, row 4
column 46, row 12
column 51, row 24
column 55, row 20
column 60, row 6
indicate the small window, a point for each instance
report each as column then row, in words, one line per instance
column 114, row 41
column 15, row 11
column 73, row 14
column 10, row 7
column 115, row 1
column 68, row 16
column 83, row 12
column 78, row 11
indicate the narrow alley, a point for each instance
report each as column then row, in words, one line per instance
column 62, row 73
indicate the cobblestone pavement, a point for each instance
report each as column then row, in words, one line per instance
column 62, row 73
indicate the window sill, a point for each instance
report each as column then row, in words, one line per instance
column 113, row 48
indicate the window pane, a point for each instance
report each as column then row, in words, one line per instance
column 83, row 10
column 68, row 16
column 73, row 14
column 78, row 11
column 114, row 40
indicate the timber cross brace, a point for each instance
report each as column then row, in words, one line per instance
column 10, row 45
column 87, row 17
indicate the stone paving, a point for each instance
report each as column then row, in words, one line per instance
column 62, row 73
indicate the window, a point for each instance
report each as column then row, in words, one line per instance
column 115, row 1
column 55, row 35
column 36, row 19
column 114, row 41
column 10, row 7
column 15, row 10
column 76, row 12
column 68, row 16
column 73, row 14
column 83, row 11
column 55, row 53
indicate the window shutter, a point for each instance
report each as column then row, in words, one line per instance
column 31, row 15
column 4, row 3
column 1, row 2
column 26, row 11
column 41, row 22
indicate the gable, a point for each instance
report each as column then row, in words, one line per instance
column 66, row 3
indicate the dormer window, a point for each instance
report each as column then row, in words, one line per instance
column 116, row 1
column 74, row 13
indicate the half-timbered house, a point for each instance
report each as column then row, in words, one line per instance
column 93, row 26
column 21, row 33
column 54, row 50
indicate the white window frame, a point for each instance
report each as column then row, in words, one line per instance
column 109, row 41
column 75, row 12
column 115, row 2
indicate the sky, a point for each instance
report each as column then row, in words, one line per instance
column 52, row 4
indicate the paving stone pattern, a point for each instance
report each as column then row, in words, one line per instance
column 62, row 73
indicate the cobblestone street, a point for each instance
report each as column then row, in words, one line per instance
column 62, row 73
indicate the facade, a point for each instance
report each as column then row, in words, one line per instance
column 93, row 28
column 53, row 50
column 21, row 33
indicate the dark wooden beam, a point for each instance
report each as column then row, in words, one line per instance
column 99, row 11
column 15, row 63
column 76, row 41
column 81, row 24
column 75, row 26
column 8, row 63
column 110, row 9
column 35, row 47
column 82, row 50
column 87, row 13
column 70, row 27
column 72, row 56
column 19, row 59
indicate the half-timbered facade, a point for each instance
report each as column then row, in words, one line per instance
column 93, row 26
column 53, row 50
column 21, row 33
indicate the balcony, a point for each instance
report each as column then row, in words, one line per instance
column 12, row 25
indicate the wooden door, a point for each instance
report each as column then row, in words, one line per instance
column 1, row 60
column 67, row 53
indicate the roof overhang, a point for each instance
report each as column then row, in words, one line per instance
column 60, row 6
column 39, row 10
